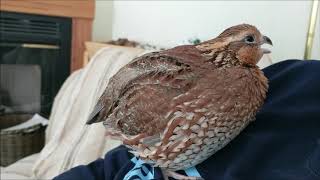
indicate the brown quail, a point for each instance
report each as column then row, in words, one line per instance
column 177, row 107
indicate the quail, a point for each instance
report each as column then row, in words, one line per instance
column 177, row 107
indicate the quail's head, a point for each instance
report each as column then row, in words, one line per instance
column 243, row 41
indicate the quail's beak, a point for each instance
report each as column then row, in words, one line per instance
column 266, row 40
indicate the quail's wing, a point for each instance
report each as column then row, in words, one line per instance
column 138, row 97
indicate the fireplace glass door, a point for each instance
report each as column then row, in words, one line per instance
column 34, row 61
column 26, row 73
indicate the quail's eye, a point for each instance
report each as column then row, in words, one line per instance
column 249, row 39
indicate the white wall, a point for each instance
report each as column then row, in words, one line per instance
column 168, row 23
column 102, row 24
column 316, row 44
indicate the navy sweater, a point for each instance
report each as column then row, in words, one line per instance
column 282, row 144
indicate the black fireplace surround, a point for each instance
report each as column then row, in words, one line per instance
column 35, row 61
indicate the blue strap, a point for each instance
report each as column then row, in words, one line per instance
column 192, row 171
column 136, row 171
column 149, row 173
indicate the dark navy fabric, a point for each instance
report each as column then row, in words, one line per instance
column 282, row 144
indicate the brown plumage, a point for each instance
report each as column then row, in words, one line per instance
column 177, row 107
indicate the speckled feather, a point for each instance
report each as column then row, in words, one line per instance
column 177, row 107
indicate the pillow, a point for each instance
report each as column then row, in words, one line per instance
column 93, row 47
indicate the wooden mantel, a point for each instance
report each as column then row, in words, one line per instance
column 81, row 12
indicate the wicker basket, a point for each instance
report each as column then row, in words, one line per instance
column 16, row 144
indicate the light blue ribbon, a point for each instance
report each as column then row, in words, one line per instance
column 136, row 170
column 192, row 171
column 139, row 166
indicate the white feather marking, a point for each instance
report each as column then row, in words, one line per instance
column 177, row 129
column 173, row 137
column 215, row 140
column 171, row 155
column 146, row 152
column 201, row 133
column 175, row 98
column 188, row 152
column 168, row 114
column 201, row 110
column 219, row 57
column 198, row 141
column 195, row 127
column 223, row 129
column 201, row 119
column 182, row 156
column 220, row 134
column 178, row 114
column 186, row 103
column 214, row 118
column 207, row 141
column 210, row 134
column 177, row 149
column 189, row 115
column 163, row 155
column 177, row 160
column 166, row 164
column 196, row 149
column 186, row 126
column 192, row 135
column 204, row 125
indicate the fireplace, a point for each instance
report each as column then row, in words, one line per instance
column 34, row 61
